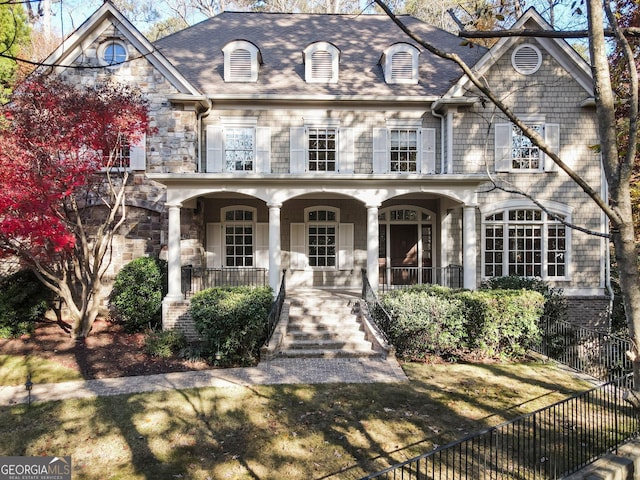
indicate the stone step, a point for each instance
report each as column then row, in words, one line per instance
column 357, row 345
column 325, row 335
column 319, row 353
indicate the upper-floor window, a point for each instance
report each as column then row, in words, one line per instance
column 238, row 145
column 129, row 155
column 239, row 149
column 322, row 146
column 321, row 62
column 112, row 53
column 241, row 61
column 404, row 148
column 400, row 64
column 514, row 151
column 520, row 239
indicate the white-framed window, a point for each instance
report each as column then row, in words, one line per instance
column 238, row 145
column 404, row 148
column 322, row 242
column 131, row 155
column 242, row 61
column 321, row 146
column 112, row 53
column 321, row 63
column 400, row 64
column 521, row 239
column 515, row 152
column 238, row 225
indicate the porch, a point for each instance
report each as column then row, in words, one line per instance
column 196, row 279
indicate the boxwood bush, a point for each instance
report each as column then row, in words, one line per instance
column 232, row 322
column 436, row 321
column 136, row 298
column 23, row 301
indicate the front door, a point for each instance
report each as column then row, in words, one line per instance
column 403, row 253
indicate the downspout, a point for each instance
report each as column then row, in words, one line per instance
column 434, row 105
column 199, row 117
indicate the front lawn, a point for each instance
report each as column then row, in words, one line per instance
column 340, row 431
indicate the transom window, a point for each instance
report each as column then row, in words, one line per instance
column 525, row 242
column 239, row 148
column 524, row 154
column 238, row 237
column 322, row 230
column 322, row 149
column 404, row 150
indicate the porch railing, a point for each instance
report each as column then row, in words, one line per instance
column 276, row 309
column 402, row 277
column 197, row 279
column 549, row 443
column 593, row 352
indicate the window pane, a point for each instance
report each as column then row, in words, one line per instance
column 404, row 150
column 322, row 149
column 524, row 154
column 239, row 149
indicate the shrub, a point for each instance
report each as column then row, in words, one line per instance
column 424, row 323
column 444, row 322
column 232, row 322
column 555, row 304
column 23, row 301
column 136, row 298
column 502, row 322
column 164, row 343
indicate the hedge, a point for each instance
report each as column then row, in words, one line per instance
column 435, row 321
column 23, row 301
column 232, row 322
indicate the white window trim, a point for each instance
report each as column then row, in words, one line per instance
column 554, row 207
column 308, row 63
column 387, row 63
column 426, row 153
column 254, row 53
column 224, row 222
column 503, row 156
column 107, row 43
column 335, row 223
column 299, row 146
column 215, row 145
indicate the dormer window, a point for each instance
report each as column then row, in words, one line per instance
column 400, row 64
column 321, row 60
column 241, row 61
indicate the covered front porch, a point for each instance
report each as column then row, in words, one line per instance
column 400, row 232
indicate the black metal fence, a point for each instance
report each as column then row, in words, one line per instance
column 593, row 352
column 401, row 277
column 276, row 309
column 197, row 279
column 547, row 444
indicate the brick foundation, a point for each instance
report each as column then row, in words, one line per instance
column 589, row 312
column 175, row 316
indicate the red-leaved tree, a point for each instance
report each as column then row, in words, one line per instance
column 63, row 182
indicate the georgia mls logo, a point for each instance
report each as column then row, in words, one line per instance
column 35, row 468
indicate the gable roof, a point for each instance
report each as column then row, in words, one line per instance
column 558, row 48
column 282, row 37
column 109, row 16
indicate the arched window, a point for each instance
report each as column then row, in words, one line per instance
column 522, row 239
column 112, row 53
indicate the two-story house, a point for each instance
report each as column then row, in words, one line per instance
column 316, row 146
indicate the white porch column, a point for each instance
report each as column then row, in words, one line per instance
column 275, row 255
column 469, row 246
column 372, row 246
column 173, row 254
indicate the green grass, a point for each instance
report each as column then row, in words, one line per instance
column 340, row 431
column 14, row 370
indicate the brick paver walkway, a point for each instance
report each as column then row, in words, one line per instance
column 278, row 371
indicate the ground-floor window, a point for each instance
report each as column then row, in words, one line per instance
column 526, row 242
column 238, row 228
column 322, row 227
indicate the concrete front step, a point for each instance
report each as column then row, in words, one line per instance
column 359, row 345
